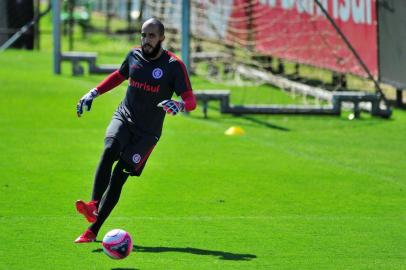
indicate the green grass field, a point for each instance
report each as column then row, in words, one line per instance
column 292, row 193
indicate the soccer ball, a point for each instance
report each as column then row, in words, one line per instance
column 117, row 244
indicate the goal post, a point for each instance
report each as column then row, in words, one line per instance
column 56, row 35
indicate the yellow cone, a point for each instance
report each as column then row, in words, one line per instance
column 234, row 131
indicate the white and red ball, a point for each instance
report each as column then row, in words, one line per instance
column 117, row 244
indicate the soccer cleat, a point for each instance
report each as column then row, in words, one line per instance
column 89, row 210
column 86, row 237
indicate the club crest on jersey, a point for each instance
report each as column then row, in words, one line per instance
column 157, row 73
column 136, row 158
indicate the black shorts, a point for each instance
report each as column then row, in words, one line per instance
column 136, row 146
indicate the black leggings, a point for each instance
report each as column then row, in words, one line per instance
column 111, row 154
column 107, row 187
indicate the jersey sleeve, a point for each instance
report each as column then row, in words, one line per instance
column 182, row 82
column 110, row 82
column 189, row 100
column 124, row 69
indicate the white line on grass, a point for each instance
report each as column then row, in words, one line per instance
column 214, row 218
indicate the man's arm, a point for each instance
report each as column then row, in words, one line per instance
column 110, row 82
column 172, row 107
column 189, row 100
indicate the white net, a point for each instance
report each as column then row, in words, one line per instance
column 249, row 42
column 254, row 33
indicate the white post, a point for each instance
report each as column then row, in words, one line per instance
column 56, row 32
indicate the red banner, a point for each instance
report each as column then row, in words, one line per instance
column 297, row 30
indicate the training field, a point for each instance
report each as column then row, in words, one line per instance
column 292, row 193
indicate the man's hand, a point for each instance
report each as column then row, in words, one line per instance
column 172, row 107
column 86, row 101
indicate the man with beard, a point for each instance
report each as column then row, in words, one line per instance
column 153, row 75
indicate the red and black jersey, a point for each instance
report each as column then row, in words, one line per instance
column 149, row 83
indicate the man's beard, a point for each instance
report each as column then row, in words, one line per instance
column 154, row 51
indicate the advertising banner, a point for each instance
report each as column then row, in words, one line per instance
column 298, row 30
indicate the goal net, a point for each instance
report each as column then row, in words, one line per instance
column 289, row 36
column 309, row 48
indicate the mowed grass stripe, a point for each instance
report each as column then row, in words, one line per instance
column 205, row 218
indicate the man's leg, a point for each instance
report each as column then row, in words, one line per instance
column 117, row 136
column 108, row 202
column 132, row 162
column 111, row 196
column 102, row 177
column 103, row 174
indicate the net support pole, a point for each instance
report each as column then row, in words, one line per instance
column 186, row 33
column 56, row 35
column 354, row 52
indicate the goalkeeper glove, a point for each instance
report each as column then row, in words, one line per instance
column 86, row 101
column 172, row 107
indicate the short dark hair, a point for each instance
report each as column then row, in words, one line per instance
column 161, row 27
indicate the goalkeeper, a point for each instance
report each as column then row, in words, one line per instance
column 153, row 75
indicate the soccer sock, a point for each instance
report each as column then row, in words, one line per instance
column 111, row 196
column 103, row 172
